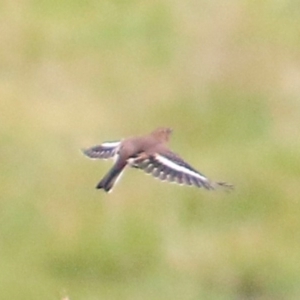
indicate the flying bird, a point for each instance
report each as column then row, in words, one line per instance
column 151, row 154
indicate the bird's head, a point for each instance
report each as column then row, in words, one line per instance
column 162, row 133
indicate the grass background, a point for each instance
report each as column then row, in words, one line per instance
column 224, row 75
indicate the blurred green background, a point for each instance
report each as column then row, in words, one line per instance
column 225, row 75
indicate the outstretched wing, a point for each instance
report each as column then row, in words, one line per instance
column 103, row 151
column 169, row 166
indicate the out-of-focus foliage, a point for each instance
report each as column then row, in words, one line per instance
column 224, row 75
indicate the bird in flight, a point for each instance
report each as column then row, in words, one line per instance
column 150, row 154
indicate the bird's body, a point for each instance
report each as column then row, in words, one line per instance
column 151, row 154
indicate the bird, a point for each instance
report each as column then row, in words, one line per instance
column 151, row 154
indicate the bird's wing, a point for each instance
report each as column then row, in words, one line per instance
column 169, row 166
column 103, row 151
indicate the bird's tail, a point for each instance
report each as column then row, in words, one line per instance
column 111, row 177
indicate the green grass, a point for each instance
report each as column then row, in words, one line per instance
column 224, row 76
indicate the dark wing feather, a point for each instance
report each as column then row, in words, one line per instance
column 169, row 166
column 103, row 151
